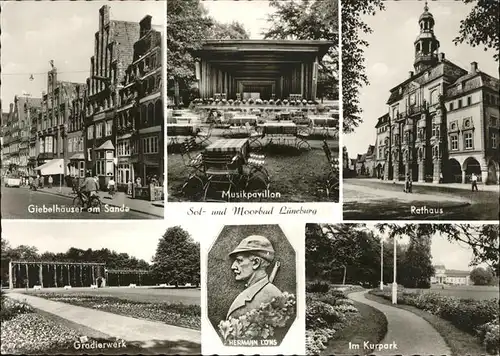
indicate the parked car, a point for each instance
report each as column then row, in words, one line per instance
column 13, row 182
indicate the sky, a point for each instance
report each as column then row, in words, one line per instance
column 35, row 32
column 137, row 238
column 453, row 255
column 390, row 57
column 252, row 14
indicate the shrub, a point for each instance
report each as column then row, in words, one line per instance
column 489, row 334
column 317, row 287
column 10, row 308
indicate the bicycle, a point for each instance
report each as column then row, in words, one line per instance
column 82, row 201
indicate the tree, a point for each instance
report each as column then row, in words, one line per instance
column 310, row 20
column 480, row 27
column 331, row 247
column 353, row 60
column 177, row 258
column 481, row 276
column 417, row 268
column 482, row 239
column 188, row 25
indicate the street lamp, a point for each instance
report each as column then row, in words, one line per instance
column 394, row 283
column 381, row 263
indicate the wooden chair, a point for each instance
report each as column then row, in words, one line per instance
column 204, row 136
column 222, row 170
column 253, row 135
column 193, row 186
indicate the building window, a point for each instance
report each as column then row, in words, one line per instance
column 469, row 100
column 494, row 140
column 124, row 148
column 109, row 127
column 82, row 169
column 413, row 99
column 493, row 121
column 150, row 145
column 468, row 142
column 98, row 130
column 434, row 96
column 124, row 175
column 70, row 145
column 454, row 142
column 90, row 132
column 467, row 123
column 435, row 151
column 451, row 106
column 459, row 103
column 49, row 144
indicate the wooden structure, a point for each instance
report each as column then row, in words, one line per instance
column 259, row 69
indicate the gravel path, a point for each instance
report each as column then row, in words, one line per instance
column 412, row 334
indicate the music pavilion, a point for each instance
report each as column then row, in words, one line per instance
column 259, row 69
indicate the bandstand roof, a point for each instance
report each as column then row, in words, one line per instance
column 264, row 58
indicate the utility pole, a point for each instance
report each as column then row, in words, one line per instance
column 394, row 283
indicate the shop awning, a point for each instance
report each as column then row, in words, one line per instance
column 54, row 166
column 77, row 156
column 106, row 146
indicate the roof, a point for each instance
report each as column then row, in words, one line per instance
column 444, row 68
column 471, row 81
column 106, row 146
column 382, row 120
column 456, row 273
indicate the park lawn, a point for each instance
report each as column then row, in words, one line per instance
column 370, row 326
column 460, row 342
column 297, row 175
column 177, row 314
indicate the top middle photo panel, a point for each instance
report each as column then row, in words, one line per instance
column 252, row 95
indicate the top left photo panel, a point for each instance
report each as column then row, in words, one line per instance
column 82, row 110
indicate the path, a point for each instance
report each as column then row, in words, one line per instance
column 147, row 334
column 412, row 334
column 369, row 193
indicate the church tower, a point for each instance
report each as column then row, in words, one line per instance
column 426, row 44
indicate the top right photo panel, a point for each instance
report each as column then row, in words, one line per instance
column 421, row 110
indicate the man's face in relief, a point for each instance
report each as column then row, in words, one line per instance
column 242, row 267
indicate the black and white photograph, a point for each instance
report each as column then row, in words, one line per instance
column 251, row 285
column 82, row 110
column 252, row 101
column 136, row 291
column 422, row 125
column 402, row 289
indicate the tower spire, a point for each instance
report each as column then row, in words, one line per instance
column 426, row 44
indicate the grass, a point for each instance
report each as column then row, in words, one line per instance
column 370, row 326
column 463, row 292
column 178, row 314
column 140, row 294
column 460, row 342
column 297, row 175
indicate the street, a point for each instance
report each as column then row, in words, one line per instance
column 368, row 199
column 22, row 203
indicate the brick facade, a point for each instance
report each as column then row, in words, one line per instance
column 113, row 51
column 139, row 120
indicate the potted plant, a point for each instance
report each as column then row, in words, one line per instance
column 258, row 102
column 250, row 101
column 271, row 102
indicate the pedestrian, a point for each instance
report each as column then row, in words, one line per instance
column 51, row 180
column 129, row 187
column 138, row 182
column 96, row 179
column 41, row 182
column 473, row 180
column 111, row 186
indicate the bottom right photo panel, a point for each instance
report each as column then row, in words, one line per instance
column 402, row 289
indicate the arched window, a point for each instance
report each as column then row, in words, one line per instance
column 151, row 114
column 158, row 113
column 144, row 111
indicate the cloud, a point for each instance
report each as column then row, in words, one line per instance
column 378, row 70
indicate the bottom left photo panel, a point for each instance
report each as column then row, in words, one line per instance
column 101, row 288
